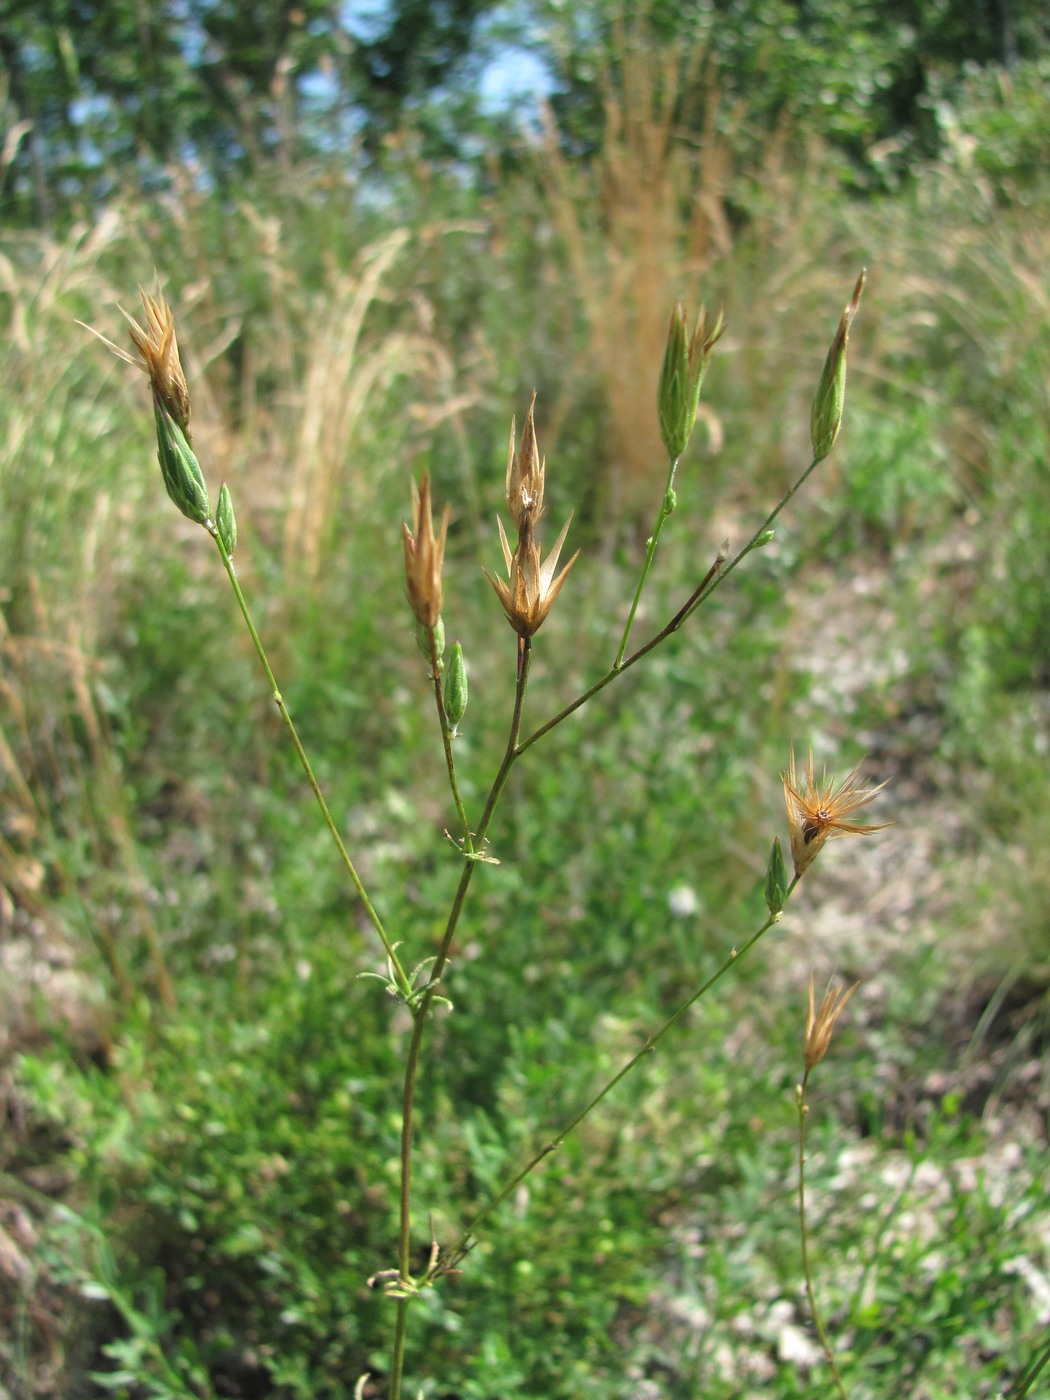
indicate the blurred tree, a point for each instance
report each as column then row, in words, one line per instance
column 101, row 89
column 94, row 92
column 864, row 76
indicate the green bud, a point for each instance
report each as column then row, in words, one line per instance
column 455, row 688
column 682, row 373
column 764, row 539
column 830, row 398
column 776, row 879
column 423, row 640
column 226, row 521
column 179, row 467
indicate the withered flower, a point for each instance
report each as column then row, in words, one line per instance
column 157, row 345
column 424, row 556
column 821, row 1023
column 525, row 472
column 817, row 810
column 529, row 592
column 530, row 588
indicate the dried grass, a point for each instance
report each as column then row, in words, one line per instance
column 641, row 226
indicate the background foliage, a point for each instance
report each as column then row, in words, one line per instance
column 372, row 268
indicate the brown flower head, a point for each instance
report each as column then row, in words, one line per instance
column 817, row 810
column 157, row 345
column 424, row 556
column 525, row 473
column 821, row 1023
column 529, row 592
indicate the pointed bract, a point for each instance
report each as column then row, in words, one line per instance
column 525, row 472
column 424, row 556
column 529, row 591
column 820, row 1023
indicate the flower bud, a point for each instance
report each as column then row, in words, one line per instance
column 830, row 398
column 776, row 879
column 423, row 640
column 226, row 521
column 455, row 694
column 179, row 467
column 685, row 360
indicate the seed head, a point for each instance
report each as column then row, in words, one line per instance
column 817, row 810
column 157, row 345
column 530, row 588
column 424, row 556
column 525, row 473
column 821, row 1023
column 529, row 592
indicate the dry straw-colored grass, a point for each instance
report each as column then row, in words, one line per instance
column 345, row 372
column 641, row 226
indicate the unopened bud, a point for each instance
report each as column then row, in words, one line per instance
column 776, row 879
column 423, row 640
column 682, row 373
column 179, row 467
column 764, row 539
column 455, row 694
column 226, row 521
column 830, row 398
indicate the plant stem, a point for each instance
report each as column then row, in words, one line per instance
column 803, row 1112
column 466, row 1240
column 421, row 1012
column 260, row 651
column 446, row 739
column 741, row 555
column 711, row 580
column 1026, row 1380
column 666, row 508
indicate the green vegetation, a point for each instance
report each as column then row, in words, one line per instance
column 201, row 1085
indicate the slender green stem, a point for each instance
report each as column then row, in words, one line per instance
column 1027, row 1379
column 718, row 571
column 397, row 1365
column 666, row 509
column 307, row 767
column 803, row 1112
column 446, row 739
column 738, row 558
column 421, row 1013
column 466, row 1240
column 612, row 674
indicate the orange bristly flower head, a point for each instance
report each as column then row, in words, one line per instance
column 818, row 810
column 157, row 345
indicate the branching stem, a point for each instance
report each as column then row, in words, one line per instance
column 469, row 1236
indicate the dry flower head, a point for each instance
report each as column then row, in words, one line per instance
column 525, row 472
column 528, row 593
column 424, row 555
column 159, row 348
column 820, row 1023
column 819, row 809
column 530, row 588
